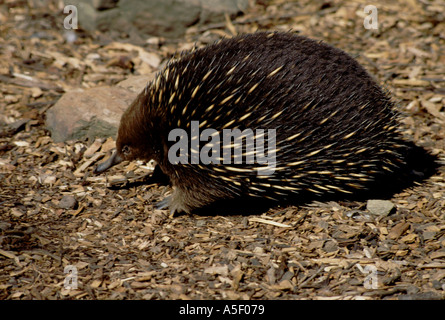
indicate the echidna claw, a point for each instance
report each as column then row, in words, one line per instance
column 163, row 204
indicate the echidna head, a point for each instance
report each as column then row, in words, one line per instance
column 134, row 140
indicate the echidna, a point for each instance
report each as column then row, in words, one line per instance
column 335, row 129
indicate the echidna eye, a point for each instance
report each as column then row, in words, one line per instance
column 125, row 150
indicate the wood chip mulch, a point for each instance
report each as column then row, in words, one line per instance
column 55, row 213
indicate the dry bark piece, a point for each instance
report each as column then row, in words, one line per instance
column 398, row 230
column 93, row 148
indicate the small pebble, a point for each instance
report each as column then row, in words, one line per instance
column 68, row 202
column 330, row 246
column 380, row 207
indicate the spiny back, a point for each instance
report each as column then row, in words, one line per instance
column 336, row 129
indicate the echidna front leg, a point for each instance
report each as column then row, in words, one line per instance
column 188, row 199
column 166, row 204
column 175, row 203
column 163, row 204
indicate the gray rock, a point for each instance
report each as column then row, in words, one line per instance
column 92, row 113
column 380, row 207
column 168, row 18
